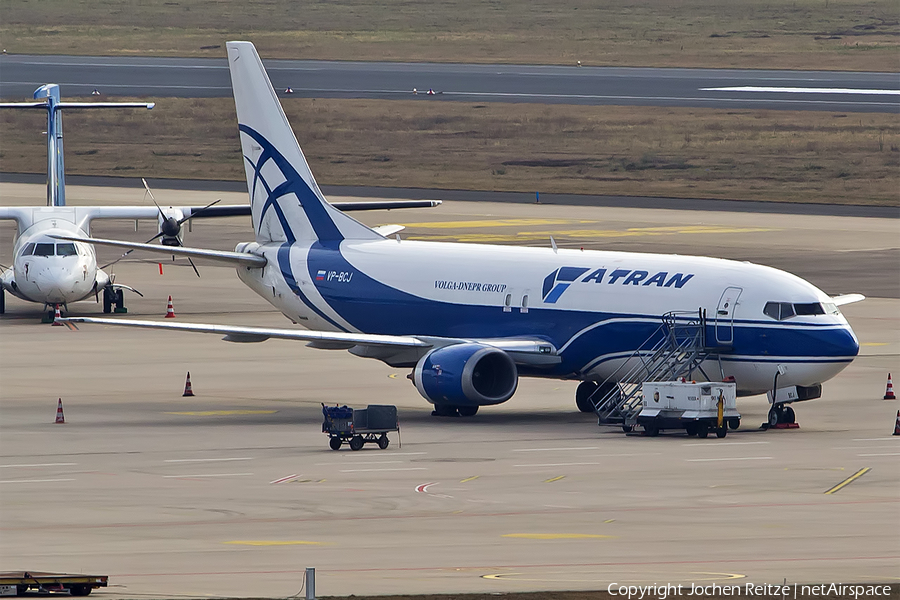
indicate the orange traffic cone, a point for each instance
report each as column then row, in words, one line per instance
column 889, row 392
column 56, row 316
column 187, row 386
column 170, row 310
column 60, row 418
column 897, row 424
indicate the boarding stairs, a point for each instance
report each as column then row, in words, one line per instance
column 677, row 348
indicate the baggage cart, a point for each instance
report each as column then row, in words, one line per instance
column 698, row 408
column 20, row 583
column 358, row 427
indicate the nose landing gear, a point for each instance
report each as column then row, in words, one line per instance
column 781, row 416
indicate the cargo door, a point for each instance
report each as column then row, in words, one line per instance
column 725, row 316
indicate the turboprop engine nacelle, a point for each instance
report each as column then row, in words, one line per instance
column 466, row 375
column 170, row 230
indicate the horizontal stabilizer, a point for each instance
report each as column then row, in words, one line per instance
column 243, row 210
column 232, row 258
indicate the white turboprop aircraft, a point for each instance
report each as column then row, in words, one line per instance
column 470, row 319
column 56, row 273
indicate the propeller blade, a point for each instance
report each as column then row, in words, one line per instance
column 195, row 266
column 199, row 211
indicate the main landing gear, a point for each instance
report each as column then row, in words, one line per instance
column 590, row 394
column 113, row 296
column 452, row 410
column 781, row 414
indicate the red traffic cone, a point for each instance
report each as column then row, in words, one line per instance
column 187, row 386
column 56, row 316
column 170, row 310
column 60, row 418
column 897, row 424
column 889, row 392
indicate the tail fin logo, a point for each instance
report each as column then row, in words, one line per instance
column 559, row 281
column 276, row 179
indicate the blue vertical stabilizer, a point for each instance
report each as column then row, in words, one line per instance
column 56, row 172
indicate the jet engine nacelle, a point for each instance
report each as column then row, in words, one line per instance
column 466, row 375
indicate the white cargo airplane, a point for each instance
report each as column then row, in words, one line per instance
column 56, row 273
column 470, row 319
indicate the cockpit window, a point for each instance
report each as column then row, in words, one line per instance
column 67, row 249
column 810, row 308
column 29, row 249
column 785, row 310
column 43, row 249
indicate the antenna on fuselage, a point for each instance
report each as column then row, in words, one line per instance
column 49, row 100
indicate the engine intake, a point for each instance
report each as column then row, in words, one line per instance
column 466, row 375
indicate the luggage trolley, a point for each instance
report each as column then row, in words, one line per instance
column 358, row 427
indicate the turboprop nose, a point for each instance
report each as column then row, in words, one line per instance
column 61, row 285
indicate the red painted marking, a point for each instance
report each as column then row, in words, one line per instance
column 283, row 479
column 160, row 268
column 423, row 489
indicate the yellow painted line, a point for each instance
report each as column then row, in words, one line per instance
column 524, row 236
column 275, row 543
column 609, row 520
column 393, row 376
column 216, row 413
column 492, row 223
column 874, row 344
column 554, row 479
column 555, row 536
column 470, row 478
column 849, row 480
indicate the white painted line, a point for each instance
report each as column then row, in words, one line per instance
column 553, row 449
column 371, row 470
column 578, row 464
column 373, row 462
column 881, row 439
column 34, row 480
column 192, row 460
column 716, row 445
column 859, row 447
column 803, row 90
column 206, row 475
column 283, row 479
column 39, row 465
column 885, row 454
column 720, row 459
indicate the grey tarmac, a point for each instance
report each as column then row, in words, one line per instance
column 234, row 491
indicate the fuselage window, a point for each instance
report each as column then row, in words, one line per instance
column 43, row 249
column 29, row 249
column 66, row 249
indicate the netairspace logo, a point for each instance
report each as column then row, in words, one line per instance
column 749, row 590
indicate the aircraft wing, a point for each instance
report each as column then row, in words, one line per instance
column 232, row 258
column 241, row 210
column 522, row 350
column 847, row 299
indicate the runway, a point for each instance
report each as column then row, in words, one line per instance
column 152, row 77
column 234, row 492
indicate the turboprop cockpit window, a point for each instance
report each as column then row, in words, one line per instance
column 29, row 249
column 66, row 249
column 43, row 249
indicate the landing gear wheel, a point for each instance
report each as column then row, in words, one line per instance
column 335, row 443
column 788, row 416
column 107, row 301
column 734, row 423
column 120, row 301
column 2, row 301
column 356, row 443
column 583, row 394
column 721, row 431
column 383, row 442
column 444, row 410
column 774, row 416
column 702, row 430
column 467, row 411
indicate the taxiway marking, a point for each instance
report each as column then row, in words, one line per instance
column 192, row 460
column 218, row 413
column 39, row 465
column 207, row 475
column 377, row 470
column 275, row 543
column 723, row 459
column 553, row 449
column 803, row 90
column 555, row 536
column 34, row 480
column 848, row 481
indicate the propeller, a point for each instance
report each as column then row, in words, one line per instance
column 169, row 228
